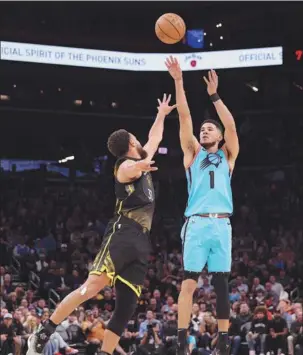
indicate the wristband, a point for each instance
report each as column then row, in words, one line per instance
column 214, row 97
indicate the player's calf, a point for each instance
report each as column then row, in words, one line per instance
column 185, row 303
column 126, row 304
column 220, row 282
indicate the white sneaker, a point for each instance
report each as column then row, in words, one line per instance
column 31, row 345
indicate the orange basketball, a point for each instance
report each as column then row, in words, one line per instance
column 170, row 28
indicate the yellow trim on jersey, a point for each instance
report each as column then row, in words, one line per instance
column 130, row 189
column 104, row 269
column 136, row 289
column 94, row 272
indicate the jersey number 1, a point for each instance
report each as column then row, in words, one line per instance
column 212, row 179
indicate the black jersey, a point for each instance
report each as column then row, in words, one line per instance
column 136, row 199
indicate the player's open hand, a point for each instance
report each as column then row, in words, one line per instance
column 173, row 67
column 211, row 82
column 164, row 105
column 146, row 165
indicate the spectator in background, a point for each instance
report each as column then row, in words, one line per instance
column 71, row 320
column 151, row 341
column 48, row 242
column 272, row 298
column 12, row 302
column 2, row 273
column 41, row 264
column 94, row 329
column 234, row 295
column 76, row 280
column 284, row 280
column 31, row 324
column 157, row 297
column 128, row 339
column 191, row 340
column 286, row 312
column 63, row 283
column 150, row 319
column 169, row 304
column 7, row 284
column 260, row 297
column 107, row 303
column 154, row 282
column 256, row 286
column 153, row 305
column 196, row 318
column 170, row 332
column 21, row 250
column 241, row 286
column 10, row 333
column 256, row 337
column 208, row 333
column 276, row 340
column 295, row 339
column 239, row 327
column 276, row 287
column 41, row 304
column 207, row 288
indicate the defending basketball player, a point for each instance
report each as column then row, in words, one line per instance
column 123, row 258
column 206, row 234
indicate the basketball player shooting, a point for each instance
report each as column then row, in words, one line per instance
column 206, row 234
column 123, row 258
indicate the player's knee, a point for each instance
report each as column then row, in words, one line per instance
column 220, row 282
column 126, row 304
column 189, row 286
column 92, row 286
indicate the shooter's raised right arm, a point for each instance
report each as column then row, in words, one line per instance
column 189, row 142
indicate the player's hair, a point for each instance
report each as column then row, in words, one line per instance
column 118, row 143
column 216, row 123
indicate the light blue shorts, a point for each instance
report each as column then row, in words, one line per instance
column 208, row 241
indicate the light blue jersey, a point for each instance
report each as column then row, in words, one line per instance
column 209, row 184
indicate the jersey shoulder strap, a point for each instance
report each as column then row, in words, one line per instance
column 118, row 162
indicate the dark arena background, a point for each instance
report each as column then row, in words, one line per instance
column 58, row 105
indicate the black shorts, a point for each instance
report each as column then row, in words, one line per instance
column 124, row 253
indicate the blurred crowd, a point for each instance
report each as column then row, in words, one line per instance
column 49, row 235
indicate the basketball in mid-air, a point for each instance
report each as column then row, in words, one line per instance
column 170, row 28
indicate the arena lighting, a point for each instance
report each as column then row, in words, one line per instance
column 66, row 159
column 221, row 37
column 78, row 102
column 299, row 54
column 144, row 62
column 298, row 86
column 211, row 44
column 4, row 97
column 15, row 86
column 219, row 25
column 205, row 33
column 253, row 87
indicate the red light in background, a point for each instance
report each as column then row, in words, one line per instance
column 299, row 54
